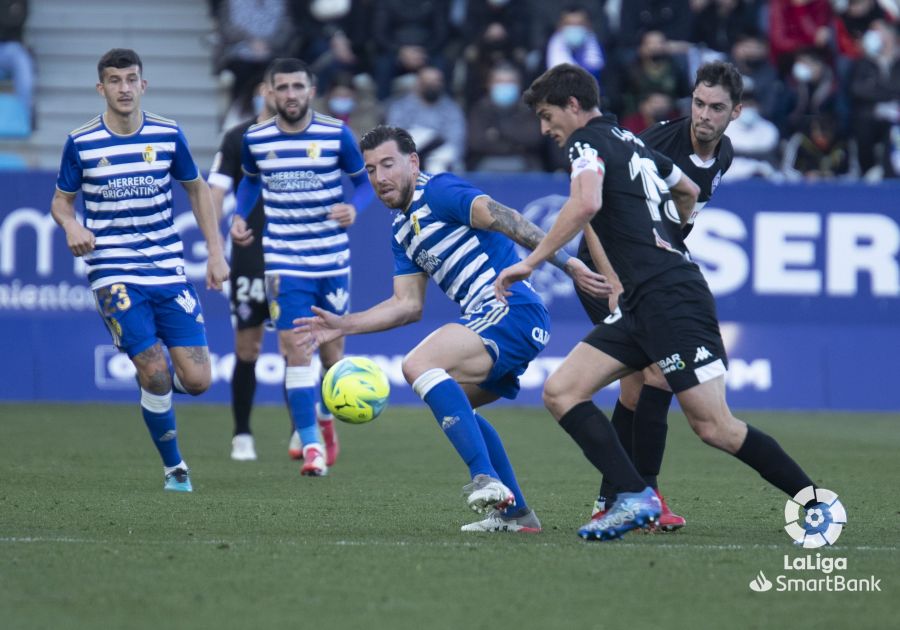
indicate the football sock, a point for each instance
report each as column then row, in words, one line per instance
column 591, row 430
column 762, row 453
column 623, row 423
column 501, row 463
column 454, row 414
column 650, row 429
column 300, row 385
column 171, row 469
column 159, row 416
column 177, row 387
column 243, row 388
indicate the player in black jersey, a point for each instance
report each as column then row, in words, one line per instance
column 249, row 308
column 636, row 201
column 698, row 146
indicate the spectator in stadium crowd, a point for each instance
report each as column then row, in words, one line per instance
column 853, row 18
column 352, row 101
column 574, row 41
column 812, row 90
column 252, row 33
column 655, row 70
column 331, row 36
column 15, row 60
column 495, row 31
column 875, row 93
column 306, row 248
column 653, row 108
column 718, row 23
column 450, row 231
column 145, row 300
column 754, row 139
column 434, row 120
column 408, row 36
column 795, row 26
column 750, row 55
column 818, row 152
column 673, row 18
column 502, row 133
column 667, row 310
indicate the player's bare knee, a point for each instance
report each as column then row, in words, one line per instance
column 413, row 367
column 556, row 396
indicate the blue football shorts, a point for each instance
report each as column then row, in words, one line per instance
column 513, row 335
column 291, row 297
column 137, row 315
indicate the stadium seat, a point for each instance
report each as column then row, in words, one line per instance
column 12, row 162
column 13, row 118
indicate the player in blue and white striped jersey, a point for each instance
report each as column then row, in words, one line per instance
column 460, row 237
column 296, row 160
column 123, row 163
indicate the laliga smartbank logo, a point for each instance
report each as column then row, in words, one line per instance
column 814, row 518
column 822, row 522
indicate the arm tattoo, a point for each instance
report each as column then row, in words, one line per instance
column 511, row 223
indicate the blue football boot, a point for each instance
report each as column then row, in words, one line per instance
column 630, row 511
column 179, row 480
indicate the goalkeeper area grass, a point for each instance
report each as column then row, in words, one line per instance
column 89, row 539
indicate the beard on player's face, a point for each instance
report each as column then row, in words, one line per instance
column 285, row 113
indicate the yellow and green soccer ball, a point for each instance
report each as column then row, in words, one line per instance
column 355, row 390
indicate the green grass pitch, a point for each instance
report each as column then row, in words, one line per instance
column 88, row 538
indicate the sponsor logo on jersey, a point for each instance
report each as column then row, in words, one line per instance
column 149, row 154
column 427, row 261
column 702, row 354
column 271, row 155
column 715, row 183
column 103, row 161
column 671, row 363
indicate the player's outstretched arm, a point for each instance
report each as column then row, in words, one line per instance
column 79, row 239
column 490, row 214
column 403, row 307
column 201, row 204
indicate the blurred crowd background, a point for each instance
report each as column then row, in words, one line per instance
column 821, row 77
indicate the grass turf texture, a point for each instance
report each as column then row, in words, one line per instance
column 89, row 539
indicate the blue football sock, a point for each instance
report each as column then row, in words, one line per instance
column 501, row 462
column 453, row 412
column 159, row 416
column 300, row 385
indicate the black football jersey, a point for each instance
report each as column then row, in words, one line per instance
column 245, row 261
column 638, row 223
column 673, row 139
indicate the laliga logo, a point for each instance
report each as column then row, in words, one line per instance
column 823, row 521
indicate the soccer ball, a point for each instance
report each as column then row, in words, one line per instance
column 355, row 390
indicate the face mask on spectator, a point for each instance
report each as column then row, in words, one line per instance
column 872, row 44
column 431, row 93
column 574, row 35
column 802, row 72
column 341, row 105
column 504, row 94
column 749, row 115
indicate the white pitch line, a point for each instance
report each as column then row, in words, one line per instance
column 416, row 543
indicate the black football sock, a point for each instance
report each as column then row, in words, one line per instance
column 623, row 423
column 763, row 454
column 243, row 388
column 650, row 429
column 591, row 430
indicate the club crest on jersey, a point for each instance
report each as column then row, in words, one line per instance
column 103, row 161
column 274, row 310
column 116, row 327
column 149, row 154
column 314, row 151
column 415, row 224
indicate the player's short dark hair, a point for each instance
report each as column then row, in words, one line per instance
column 119, row 58
column 724, row 74
column 557, row 84
column 384, row 133
column 288, row 65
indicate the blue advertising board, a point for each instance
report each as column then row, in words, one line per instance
column 806, row 277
